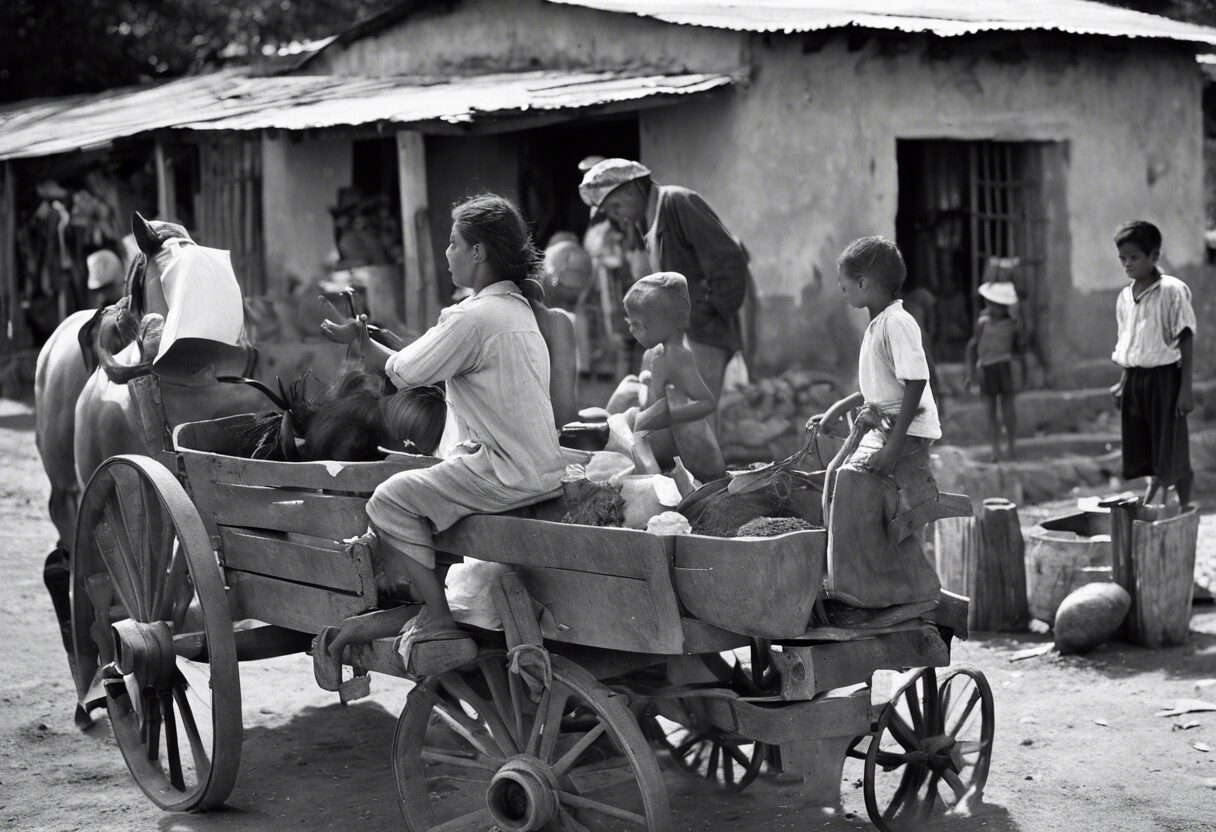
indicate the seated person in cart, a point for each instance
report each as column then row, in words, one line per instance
column 490, row 352
column 679, row 403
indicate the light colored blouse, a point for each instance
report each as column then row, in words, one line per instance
column 496, row 365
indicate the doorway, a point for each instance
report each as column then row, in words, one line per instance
column 962, row 204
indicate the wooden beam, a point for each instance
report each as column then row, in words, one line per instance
column 13, row 337
column 166, row 190
column 421, row 306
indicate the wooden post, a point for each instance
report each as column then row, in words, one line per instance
column 166, row 188
column 984, row 559
column 1154, row 560
column 999, row 602
column 13, row 337
column 421, row 306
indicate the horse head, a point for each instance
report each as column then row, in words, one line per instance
column 151, row 237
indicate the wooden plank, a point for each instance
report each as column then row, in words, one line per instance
column 626, row 553
column 603, row 611
column 327, row 516
column 411, row 177
column 1163, row 559
column 307, row 609
column 319, row 563
column 806, row 671
column 776, row 722
column 820, row 761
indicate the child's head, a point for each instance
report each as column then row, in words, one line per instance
column 869, row 270
column 1139, row 245
column 657, row 307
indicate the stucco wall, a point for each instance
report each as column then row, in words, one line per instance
column 300, row 180
column 478, row 36
column 802, row 161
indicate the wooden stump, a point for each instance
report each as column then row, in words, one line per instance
column 1153, row 558
column 984, row 559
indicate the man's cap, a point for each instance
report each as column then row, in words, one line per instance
column 105, row 269
column 589, row 162
column 1001, row 292
column 605, row 177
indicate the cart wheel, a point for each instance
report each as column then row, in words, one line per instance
column 727, row 760
column 930, row 749
column 153, row 634
column 574, row 760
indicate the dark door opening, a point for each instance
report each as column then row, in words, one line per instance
column 961, row 204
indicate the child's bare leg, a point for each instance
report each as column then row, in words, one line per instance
column 994, row 428
column 1009, row 411
column 1183, row 489
column 1153, row 484
column 427, row 586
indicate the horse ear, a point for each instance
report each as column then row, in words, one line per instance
column 147, row 239
column 87, row 337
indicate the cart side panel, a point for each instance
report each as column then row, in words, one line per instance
column 762, row 587
column 598, row 587
column 288, row 604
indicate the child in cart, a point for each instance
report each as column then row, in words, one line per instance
column 490, row 352
column 871, row 562
column 997, row 342
column 679, row 404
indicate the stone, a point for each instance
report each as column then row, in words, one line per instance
column 1089, row 616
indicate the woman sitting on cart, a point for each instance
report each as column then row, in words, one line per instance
column 490, row 352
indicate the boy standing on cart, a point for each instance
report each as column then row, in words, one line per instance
column 1156, row 329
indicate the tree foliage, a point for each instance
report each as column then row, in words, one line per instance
column 58, row 47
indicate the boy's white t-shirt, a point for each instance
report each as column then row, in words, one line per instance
column 891, row 350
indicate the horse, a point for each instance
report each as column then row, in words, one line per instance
column 83, row 410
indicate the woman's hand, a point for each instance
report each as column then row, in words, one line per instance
column 347, row 332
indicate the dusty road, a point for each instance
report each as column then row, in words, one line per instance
column 1077, row 744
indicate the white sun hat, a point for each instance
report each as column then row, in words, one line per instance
column 605, row 177
column 999, row 291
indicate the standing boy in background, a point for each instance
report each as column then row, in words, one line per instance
column 990, row 354
column 1156, row 330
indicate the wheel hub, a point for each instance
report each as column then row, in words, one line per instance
column 145, row 651
column 522, row 795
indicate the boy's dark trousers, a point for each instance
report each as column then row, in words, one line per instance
column 1155, row 438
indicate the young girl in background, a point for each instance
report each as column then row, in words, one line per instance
column 990, row 354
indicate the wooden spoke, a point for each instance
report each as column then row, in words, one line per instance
column 587, row 804
column 902, row 732
column 503, row 702
column 467, row 729
column 458, row 687
column 165, row 703
column 955, row 782
column 197, row 748
column 967, row 711
column 571, row 823
column 432, row 756
column 584, row 742
column 914, row 710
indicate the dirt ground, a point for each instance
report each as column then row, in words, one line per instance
column 1077, row 743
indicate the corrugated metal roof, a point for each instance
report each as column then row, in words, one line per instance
column 63, row 125
column 301, row 103
column 231, row 100
column 947, row 18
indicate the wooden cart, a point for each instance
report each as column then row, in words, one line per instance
column 615, row 644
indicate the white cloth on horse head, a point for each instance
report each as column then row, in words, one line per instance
column 203, row 296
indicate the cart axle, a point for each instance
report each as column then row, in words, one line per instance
column 145, row 651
